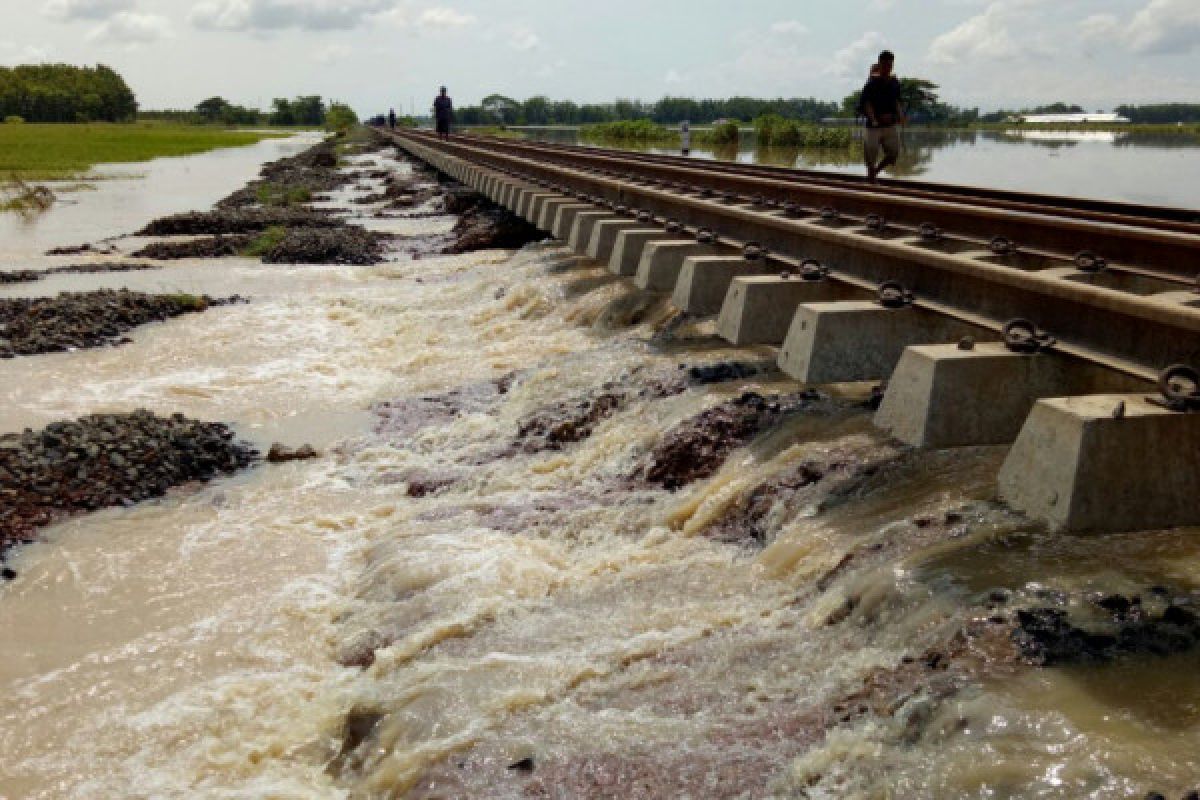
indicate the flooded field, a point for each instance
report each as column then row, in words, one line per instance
column 1149, row 169
column 561, row 542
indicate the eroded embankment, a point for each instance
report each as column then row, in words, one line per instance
column 106, row 460
column 588, row 550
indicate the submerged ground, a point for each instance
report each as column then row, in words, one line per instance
column 560, row 542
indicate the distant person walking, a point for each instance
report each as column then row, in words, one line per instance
column 392, row 119
column 443, row 113
column 685, row 137
column 881, row 107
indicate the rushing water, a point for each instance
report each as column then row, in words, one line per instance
column 1150, row 169
column 314, row 630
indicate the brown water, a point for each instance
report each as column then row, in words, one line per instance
column 541, row 606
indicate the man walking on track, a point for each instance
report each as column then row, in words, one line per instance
column 443, row 114
column 392, row 119
column 881, row 106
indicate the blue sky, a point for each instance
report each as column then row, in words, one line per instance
column 378, row 53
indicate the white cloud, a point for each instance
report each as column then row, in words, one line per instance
column 128, row 27
column 12, row 54
column 789, row 27
column 985, row 36
column 523, row 39
column 856, row 58
column 880, row 6
column 674, row 76
column 84, row 9
column 273, row 15
column 333, row 53
column 444, row 18
column 1161, row 27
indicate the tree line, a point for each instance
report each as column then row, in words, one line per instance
column 919, row 96
column 65, row 93
column 540, row 110
column 308, row 111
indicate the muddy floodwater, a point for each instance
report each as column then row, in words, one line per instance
column 1148, row 169
column 561, row 542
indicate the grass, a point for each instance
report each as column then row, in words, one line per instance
column 25, row 199
column 48, row 152
column 775, row 131
column 267, row 241
column 280, row 195
column 641, row 130
column 189, row 302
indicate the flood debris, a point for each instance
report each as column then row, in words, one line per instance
column 106, row 460
column 74, row 320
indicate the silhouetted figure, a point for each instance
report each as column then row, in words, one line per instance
column 392, row 119
column 881, row 106
column 685, row 137
column 443, row 113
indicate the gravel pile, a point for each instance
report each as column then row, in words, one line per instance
column 238, row 220
column 70, row 320
column 314, row 171
column 31, row 275
column 204, row 247
column 106, row 460
column 348, row 244
column 491, row 228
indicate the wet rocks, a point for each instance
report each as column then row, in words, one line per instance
column 238, row 220
column 552, row 427
column 292, row 181
column 30, row 275
column 696, row 448
column 348, row 244
column 20, row 276
column 491, row 228
column 106, row 460
column 460, row 200
column 71, row 320
column 203, row 247
column 1051, row 636
column 280, row 454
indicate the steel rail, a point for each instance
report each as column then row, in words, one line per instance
column 1134, row 334
column 1156, row 253
column 1165, row 217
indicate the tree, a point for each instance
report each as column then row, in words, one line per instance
column 65, row 93
column 340, row 117
column 536, row 111
column 501, row 109
column 212, row 109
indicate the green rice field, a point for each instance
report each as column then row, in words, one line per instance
column 46, row 152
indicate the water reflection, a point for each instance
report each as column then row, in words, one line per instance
column 1136, row 167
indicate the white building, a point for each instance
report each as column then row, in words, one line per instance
column 1073, row 119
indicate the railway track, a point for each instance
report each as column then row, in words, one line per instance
column 1167, row 217
column 995, row 300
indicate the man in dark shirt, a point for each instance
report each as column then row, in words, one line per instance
column 443, row 113
column 881, row 106
column 392, row 119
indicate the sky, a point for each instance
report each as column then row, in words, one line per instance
column 376, row 54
